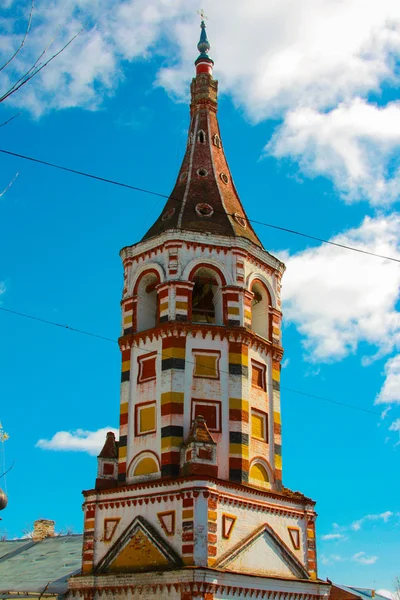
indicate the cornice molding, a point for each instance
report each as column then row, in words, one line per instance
column 210, row 242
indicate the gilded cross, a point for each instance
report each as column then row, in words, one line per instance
column 202, row 14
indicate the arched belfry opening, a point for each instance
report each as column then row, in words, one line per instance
column 206, row 296
column 147, row 304
column 260, row 310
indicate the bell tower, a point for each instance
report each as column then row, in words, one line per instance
column 189, row 503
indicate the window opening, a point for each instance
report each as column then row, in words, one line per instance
column 258, row 375
column 260, row 310
column 204, row 210
column 217, row 140
column 147, row 309
column 203, row 309
column 202, row 137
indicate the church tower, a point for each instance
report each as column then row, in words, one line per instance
column 189, row 503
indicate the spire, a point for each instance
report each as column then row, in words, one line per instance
column 204, row 198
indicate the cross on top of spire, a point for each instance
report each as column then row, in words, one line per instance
column 202, row 14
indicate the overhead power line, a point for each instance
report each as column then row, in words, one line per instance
column 159, row 195
column 20, row 314
column 114, row 341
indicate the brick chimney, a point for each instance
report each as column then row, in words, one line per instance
column 43, row 528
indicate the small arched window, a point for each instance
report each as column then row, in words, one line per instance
column 147, row 309
column 217, row 140
column 260, row 310
column 206, row 297
column 201, row 136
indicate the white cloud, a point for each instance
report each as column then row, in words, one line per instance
column 333, row 536
column 363, row 559
column 355, row 144
column 338, row 298
column 311, row 63
column 79, row 440
column 91, row 67
column 385, row 516
column 390, row 392
column 340, row 530
column 331, row 559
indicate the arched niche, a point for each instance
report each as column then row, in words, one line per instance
column 259, row 474
column 261, row 309
column 206, row 304
column 144, row 466
column 147, row 301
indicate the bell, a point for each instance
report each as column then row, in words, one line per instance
column 3, row 499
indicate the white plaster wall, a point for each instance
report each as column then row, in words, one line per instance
column 262, row 558
column 128, row 513
column 250, row 519
column 201, row 531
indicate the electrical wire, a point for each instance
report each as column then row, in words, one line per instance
column 151, row 192
column 107, row 339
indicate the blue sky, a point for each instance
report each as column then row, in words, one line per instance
column 310, row 120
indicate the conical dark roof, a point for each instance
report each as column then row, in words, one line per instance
column 110, row 448
column 204, row 198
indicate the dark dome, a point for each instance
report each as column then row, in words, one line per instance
column 3, row 499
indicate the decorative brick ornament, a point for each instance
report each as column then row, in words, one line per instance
column 167, row 521
column 204, row 210
column 110, row 527
column 224, row 177
column 240, row 220
column 228, row 523
column 168, row 214
column 294, row 533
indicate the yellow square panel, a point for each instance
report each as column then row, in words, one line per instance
column 147, row 419
column 206, row 365
column 258, row 428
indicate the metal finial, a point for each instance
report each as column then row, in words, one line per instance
column 204, row 45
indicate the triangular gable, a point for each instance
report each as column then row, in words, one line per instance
column 263, row 552
column 139, row 548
